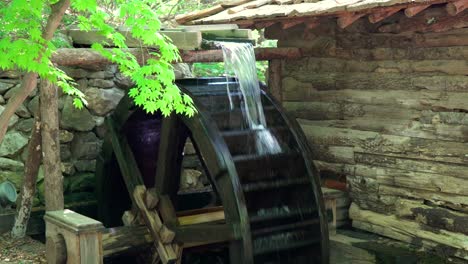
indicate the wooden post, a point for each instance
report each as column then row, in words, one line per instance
column 274, row 79
column 72, row 238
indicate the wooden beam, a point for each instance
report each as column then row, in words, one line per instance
column 347, row 19
column 260, row 54
column 291, row 23
column 274, row 79
column 383, row 14
column 264, row 24
column 414, row 10
column 456, row 7
column 181, row 19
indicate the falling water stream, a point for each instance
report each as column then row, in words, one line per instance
column 239, row 59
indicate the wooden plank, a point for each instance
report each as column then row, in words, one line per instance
column 414, row 10
column 202, row 218
column 182, row 19
column 124, row 239
column 187, row 40
column 347, row 19
column 248, row 5
column 456, row 7
column 211, row 34
column 383, row 14
column 204, row 234
column 274, row 79
column 443, row 237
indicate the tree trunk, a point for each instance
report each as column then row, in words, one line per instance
column 29, row 184
column 30, row 79
column 53, row 178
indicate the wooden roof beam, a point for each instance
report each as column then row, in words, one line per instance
column 414, row 10
column 383, row 14
column 347, row 19
column 456, row 7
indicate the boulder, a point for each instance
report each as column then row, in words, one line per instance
column 85, row 165
column 25, row 125
column 22, row 111
column 85, row 146
column 67, row 168
column 123, row 82
column 13, row 143
column 15, row 90
column 102, row 101
column 13, row 120
column 11, row 165
column 182, row 70
column 101, row 83
column 65, row 152
column 5, row 86
column 81, row 182
column 190, row 179
column 65, row 136
column 33, row 105
column 10, row 74
column 77, row 119
column 75, row 73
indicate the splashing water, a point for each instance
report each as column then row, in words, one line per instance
column 239, row 58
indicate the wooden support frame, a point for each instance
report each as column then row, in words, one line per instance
column 454, row 8
column 383, row 14
column 414, row 10
column 72, row 238
column 347, row 19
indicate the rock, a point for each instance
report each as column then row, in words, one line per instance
column 61, row 40
column 5, row 86
column 22, row 111
column 75, row 73
column 110, row 70
column 2, row 100
column 33, row 105
column 15, row 90
column 13, row 120
column 65, row 152
column 190, row 179
column 67, row 168
column 13, row 142
column 97, row 75
column 11, row 165
column 102, row 101
column 82, row 84
column 123, row 82
column 85, row 146
column 85, row 165
column 101, row 83
column 10, row 74
column 101, row 131
column 182, row 70
column 25, row 125
column 77, row 119
column 99, row 120
column 61, row 102
column 16, row 177
column 189, row 149
column 65, row 136
column 79, row 197
column 82, row 182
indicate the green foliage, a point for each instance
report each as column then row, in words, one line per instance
column 23, row 47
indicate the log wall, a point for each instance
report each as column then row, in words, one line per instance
column 389, row 112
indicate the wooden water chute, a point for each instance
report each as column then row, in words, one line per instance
column 272, row 208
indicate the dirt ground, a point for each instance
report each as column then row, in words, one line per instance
column 22, row 251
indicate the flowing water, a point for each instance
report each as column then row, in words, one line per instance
column 239, row 59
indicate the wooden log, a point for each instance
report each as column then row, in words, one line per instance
column 274, row 79
column 456, row 7
column 182, row 19
column 382, row 14
column 414, row 10
column 410, row 228
column 347, row 19
column 433, row 216
column 388, row 145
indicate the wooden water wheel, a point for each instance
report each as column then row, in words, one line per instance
column 270, row 208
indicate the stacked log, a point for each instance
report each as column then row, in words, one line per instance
column 388, row 111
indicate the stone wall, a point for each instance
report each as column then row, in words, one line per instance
column 81, row 131
column 388, row 112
